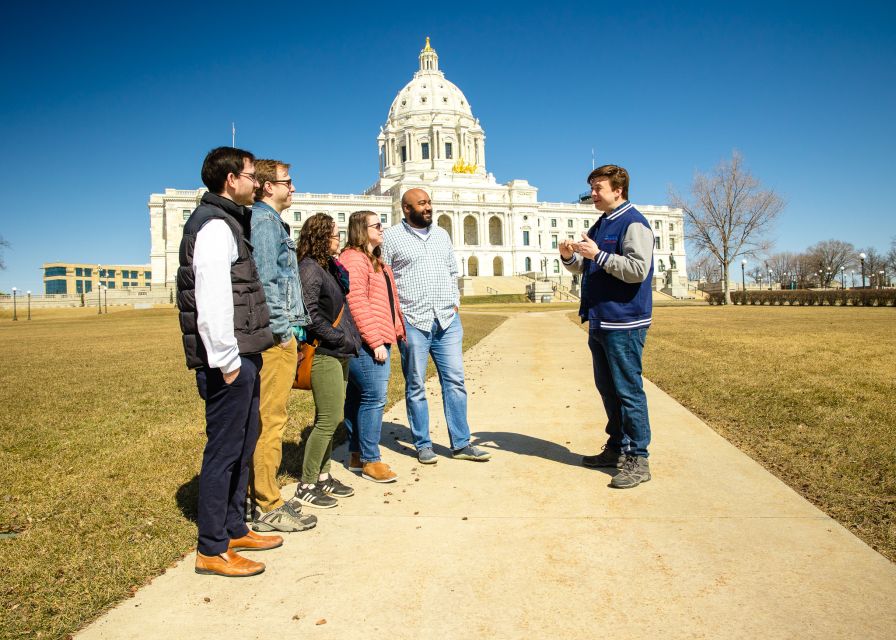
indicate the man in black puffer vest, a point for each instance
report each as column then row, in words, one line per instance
column 224, row 319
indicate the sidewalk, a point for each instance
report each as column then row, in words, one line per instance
column 532, row 545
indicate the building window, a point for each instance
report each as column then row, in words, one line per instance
column 526, row 240
column 56, row 286
column 133, row 275
column 528, row 264
column 553, row 242
column 384, row 218
column 404, row 153
column 296, row 232
column 88, row 273
column 556, row 266
column 54, row 271
column 539, row 222
column 570, row 236
column 671, row 227
column 449, row 151
column 553, row 223
column 570, row 223
column 79, row 286
column 671, row 244
column 186, row 213
column 110, row 273
column 296, row 216
column 79, row 272
column 424, row 151
column 656, row 225
column 111, row 284
column 341, row 237
column 125, row 284
column 340, row 217
column 657, row 244
column 587, row 223
column 147, row 275
column 88, row 286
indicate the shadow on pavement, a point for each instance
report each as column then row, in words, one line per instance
column 524, row 445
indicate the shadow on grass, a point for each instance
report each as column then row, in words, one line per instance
column 187, row 498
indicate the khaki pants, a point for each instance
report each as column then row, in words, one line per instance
column 277, row 374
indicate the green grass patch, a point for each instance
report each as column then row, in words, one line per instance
column 497, row 298
column 102, row 436
column 807, row 392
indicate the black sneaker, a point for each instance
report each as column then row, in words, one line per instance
column 313, row 496
column 612, row 458
column 332, row 487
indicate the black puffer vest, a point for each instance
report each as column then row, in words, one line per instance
column 251, row 319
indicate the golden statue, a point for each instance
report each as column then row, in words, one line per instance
column 462, row 167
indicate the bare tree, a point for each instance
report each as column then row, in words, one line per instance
column 757, row 274
column 704, row 267
column 784, row 265
column 891, row 261
column 875, row 262
column 829, row 256
column 729, row 214
column 3, row 244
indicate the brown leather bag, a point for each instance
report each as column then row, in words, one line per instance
column 306, row 358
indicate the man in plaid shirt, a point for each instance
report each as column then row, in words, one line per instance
column 425, row 269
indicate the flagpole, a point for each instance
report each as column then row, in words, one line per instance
column 233, row 134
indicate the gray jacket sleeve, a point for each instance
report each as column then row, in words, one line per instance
column 575, row 264
column 637, row 255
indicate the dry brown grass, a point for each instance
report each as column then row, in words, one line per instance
column 807, row 392
column 100, row 446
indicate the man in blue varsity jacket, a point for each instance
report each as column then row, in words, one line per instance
column 615, row 259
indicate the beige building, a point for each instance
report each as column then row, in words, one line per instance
column 75, row 278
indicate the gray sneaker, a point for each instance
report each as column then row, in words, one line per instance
column 612, row 458
column 472, row 453
column 635, row 470
column 427, row 456
column 284, row 518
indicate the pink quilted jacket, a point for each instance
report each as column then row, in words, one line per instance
column 368, row 300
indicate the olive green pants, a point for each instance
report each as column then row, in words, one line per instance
column 329, row 376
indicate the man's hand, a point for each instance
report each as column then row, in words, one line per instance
column 230, row 377
column 380, row 354
column 567, row 248
column 586, row 247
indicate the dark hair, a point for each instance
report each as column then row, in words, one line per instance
column 314, row 241
column 617, row 175
column 266, row 171
column 359, row 239
column 221, row 162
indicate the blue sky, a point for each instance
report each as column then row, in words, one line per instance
column 105, row 104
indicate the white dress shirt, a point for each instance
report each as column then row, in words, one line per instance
column 213, row 254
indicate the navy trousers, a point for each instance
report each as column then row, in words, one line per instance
column 231, row 426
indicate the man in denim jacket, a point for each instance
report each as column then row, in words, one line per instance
column 275, row 256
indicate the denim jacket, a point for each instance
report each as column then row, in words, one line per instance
column 278, row 270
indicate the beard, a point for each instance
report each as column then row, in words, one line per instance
column 419, row 219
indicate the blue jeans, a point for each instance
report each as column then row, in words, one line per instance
column 616, row 357
column 445, row 346
column 365, row 400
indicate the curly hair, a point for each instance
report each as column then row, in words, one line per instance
column 314, row 241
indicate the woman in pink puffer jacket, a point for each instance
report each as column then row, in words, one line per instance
column 373, row 302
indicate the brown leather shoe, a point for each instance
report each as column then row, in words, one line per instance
column 254, row 542
column 354, row 461
column 229, row 564
column 378, row 472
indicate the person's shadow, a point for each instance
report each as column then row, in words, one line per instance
column 524, row 445
column 187, row 498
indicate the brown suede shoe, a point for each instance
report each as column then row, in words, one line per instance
column 378, row 472
column 254, row 542
column 354, row 462
column 231, row 565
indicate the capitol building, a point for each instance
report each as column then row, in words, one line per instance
column 431, row 140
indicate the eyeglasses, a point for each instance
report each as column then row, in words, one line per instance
column 288, row 182
column 377, row 225
column 251, row 177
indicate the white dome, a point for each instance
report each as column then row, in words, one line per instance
column 429, row 91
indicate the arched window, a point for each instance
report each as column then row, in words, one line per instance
column 528, row 265
column 498, row 266
column 556, row 266
column 495, row 231
column 471, row 231
column 445, row 223
column 473, row 266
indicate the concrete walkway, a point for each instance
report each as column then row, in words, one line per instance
column 532, row 545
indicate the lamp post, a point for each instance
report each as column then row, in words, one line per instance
column 880, row 279
column 106, row 299
column 99, row 286
column 862, row 260
column 842, row 278
column 14, row 315
column 463, row 267
column 852, row 278
column 29, row 305
column 743, row 278
column 769, row 279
